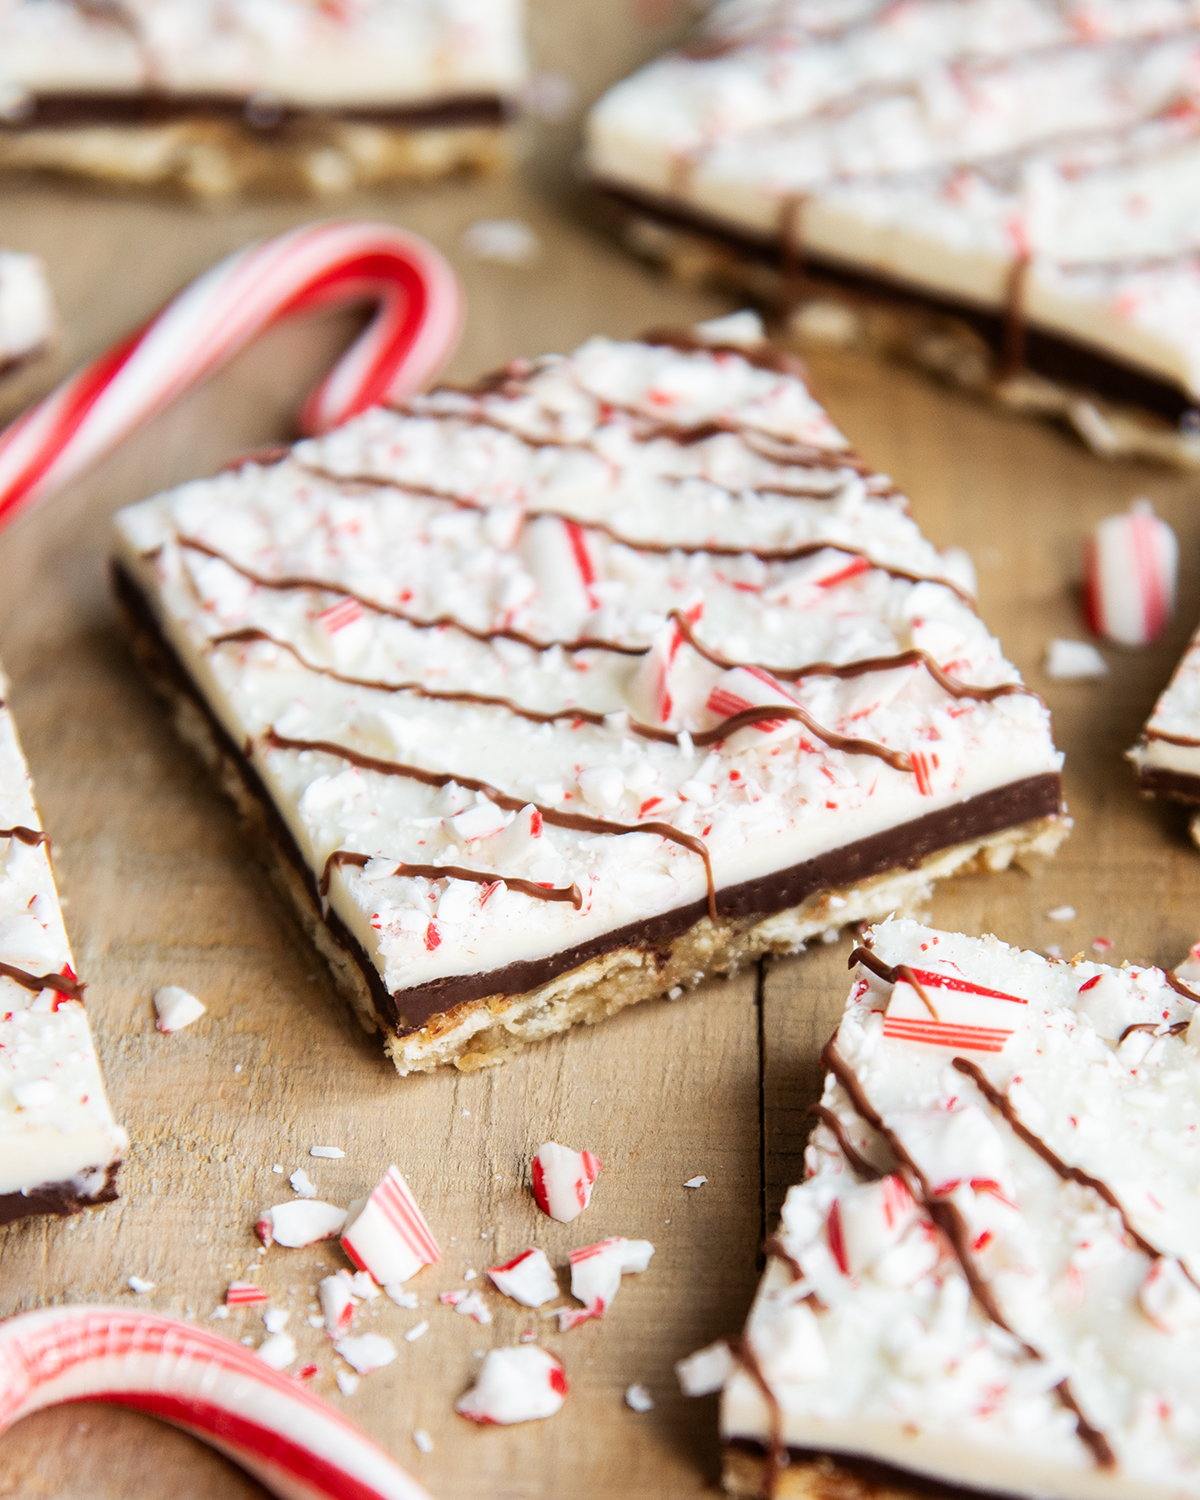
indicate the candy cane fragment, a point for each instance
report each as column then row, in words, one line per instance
column 562, row 1180
column 517, row 1384
column 386, row 1233
column 1131, row 563
column 265, row 1421
column 419, row 316
column 596, row 1272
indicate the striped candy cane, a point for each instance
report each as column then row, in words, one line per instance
column 420, row 309
column 295, row 1444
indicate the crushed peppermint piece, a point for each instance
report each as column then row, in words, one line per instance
column 528, row 1278
column 304, row 1221
column 278, row 1351
column 1074, row 661
column 176, row 1008
column 348, row 1382
column 414, row 1333
column 1131, row 565
column 338, row 1303
column 386, row 1233
column 399, row 1296
column 139, row 1285
column 307, row 1372
column 470, row 1304
column 705, row 1371
column 302, row 1184
column 596, row 1272
column 328, row 1153
column 1062, row 914
column 278, row 1169
column 244, row 1294
column 638, row 1398
column 469, row 1275
column 563, row 1180
column 422, row 1441
column 367, row 1352
column 509, row 242
column 275, row 1319
column 1101, row 944
column 695, row 1182
column 219, row 1312
column 516, row 1384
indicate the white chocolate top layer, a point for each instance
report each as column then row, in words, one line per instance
column 1171, row 738
column 27, row 316
column 472, row 545
column 303, row 53
column 939, row 144
column 55, row 1122
column 958, row 1287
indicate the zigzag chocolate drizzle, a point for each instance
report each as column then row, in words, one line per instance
column 72, row 988
column 339, row 857
column 30, row 836
column 579, row 822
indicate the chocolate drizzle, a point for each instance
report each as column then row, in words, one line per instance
column 1176, row 1029
column 777, row 1453
column 31, row 836
column 856, row 1160
column 570, row 893
column 72, row 988
column 946, row 1216
column 1179, row 987
column 579, row 822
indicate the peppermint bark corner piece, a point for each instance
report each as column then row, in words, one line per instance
column 572, row 688
column 988, row 1279
column 1166, row 757
column 60, row 1147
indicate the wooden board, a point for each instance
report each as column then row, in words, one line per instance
column 161, row 890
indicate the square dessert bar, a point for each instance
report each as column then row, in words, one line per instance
column 989, row 1281
column 295, row 94
column 1025, row 166
column 1167, row 756
column 567, row 689
column 59, row 1145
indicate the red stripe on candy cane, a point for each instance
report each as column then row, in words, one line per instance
column 243, row 1294
column 397, row 1202
column 415, row 327
column 577, row 539
column 972, row 1038
column 933, row 980
column 299, row 1447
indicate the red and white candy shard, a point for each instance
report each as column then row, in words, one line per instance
column 1131, row 564
column 706, row 1371
column 176, row 1008
column 528, row 1278
column 470, row 1304
column 950, row 1011
column 267, row 1422
column 244, row 1294
column 596, row 1272
column 562, row 1180
column 866, row 1221
column 519, row 1384
column 386, row 1233
column 339, row 1302
column 301, row 1222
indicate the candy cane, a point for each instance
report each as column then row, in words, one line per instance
column 410, row 337
column 269, row 1424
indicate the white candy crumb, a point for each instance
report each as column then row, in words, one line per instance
column 139, row 1285
column 301, row 1184
column 422, row 1440
column 330, row 1153
column 528, row 1278
column 638, row 1398
column 367, row 1352
column 695, row 1182
column 1074, row 661
column 279, row 1351
column 706, row 1371
column 519, row 1384
column 237, row 1067
column 315, row 1320
column 220, row 1311
column 1062, row 914
column 278, row 1168
column 176, row 1008
column 674, row 992
column 469, row 1275
column 304, row 1221
column 362, row 1283
column 1053, row 950
column 415, row 1332
column 275, row 1319
column 399, row 1296
column 506, row 241
column 348, row 1382
column 831, row 934
column 470, row 1304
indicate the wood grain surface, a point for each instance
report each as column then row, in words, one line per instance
column 161, row 890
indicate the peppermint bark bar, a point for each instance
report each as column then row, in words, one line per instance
column 59, row 1144
column 214, row 98
column 27, row 316
column 606, row 674
column 1167, row 756
column 1020, row 170
column 988, row 1281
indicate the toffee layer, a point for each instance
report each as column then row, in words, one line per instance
column 1050, row 354
column 865, row 1478
column 74, row 111
column 61, row 1198
column 405, row 1011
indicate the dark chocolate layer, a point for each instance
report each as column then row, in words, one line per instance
column 57, row 1198
column 1165, row 783
column 872, row 1471
column 902, row 847
column 72, row 111
column 1050, row 354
